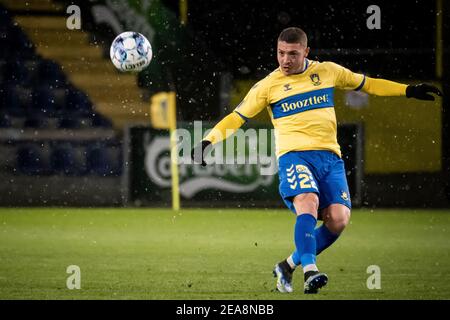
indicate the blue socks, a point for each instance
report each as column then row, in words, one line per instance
column 324, row 239
column 305, row 240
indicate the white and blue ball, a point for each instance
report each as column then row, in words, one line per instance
column 130, row 51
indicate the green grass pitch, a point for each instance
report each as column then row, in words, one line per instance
column 214, row 254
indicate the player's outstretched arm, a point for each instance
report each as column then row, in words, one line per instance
column 226, row 127
column 381, row 87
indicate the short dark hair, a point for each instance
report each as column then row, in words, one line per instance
column 294, row 35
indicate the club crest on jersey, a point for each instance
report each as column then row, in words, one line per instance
column 287, row 87
column 315, row 79
column 302, row 168
column 344, row 195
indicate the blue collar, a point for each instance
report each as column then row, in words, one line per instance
column 306, row 65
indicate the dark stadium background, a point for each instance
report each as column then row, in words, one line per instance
column 227, row 44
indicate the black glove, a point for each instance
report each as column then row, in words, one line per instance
column 422, row 91
column 198, row 150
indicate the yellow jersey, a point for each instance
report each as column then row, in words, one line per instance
column 301, row 106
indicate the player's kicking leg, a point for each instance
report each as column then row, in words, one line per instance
column 306, row 206
column 333, row 196
column 298, row 188
column 335, row 217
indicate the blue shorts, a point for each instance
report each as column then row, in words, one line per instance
column 321, row 172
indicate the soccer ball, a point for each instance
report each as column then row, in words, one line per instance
column 130, row 51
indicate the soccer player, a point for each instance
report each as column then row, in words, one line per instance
column 299, row 98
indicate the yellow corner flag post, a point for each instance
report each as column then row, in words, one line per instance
column 164, row 116
column 173, row 151
column 183, row 7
